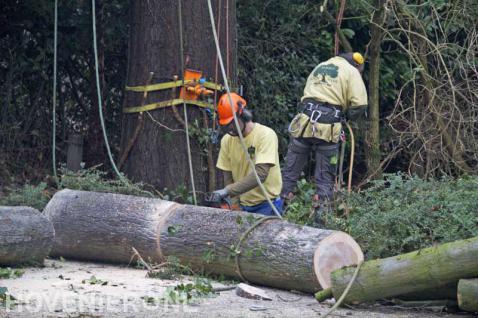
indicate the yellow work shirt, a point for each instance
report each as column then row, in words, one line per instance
column 336, row 82
column 263, row 147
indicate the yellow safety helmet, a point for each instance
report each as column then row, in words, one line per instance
column 358, row 58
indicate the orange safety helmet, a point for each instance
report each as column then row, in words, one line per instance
column 225, row 111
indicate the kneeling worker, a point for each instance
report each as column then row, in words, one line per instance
column 262, row 145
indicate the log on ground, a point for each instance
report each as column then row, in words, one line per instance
column 468, row 294
column 407, row 273
column 447, row 291
column 26, row 236
column 105, row 227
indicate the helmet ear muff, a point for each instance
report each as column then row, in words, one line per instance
column 246, row 115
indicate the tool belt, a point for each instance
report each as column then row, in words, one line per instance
column 317, row 120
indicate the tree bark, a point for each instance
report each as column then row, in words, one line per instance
column 468, row 294
column 443, row 292
column 373, row 154
column 26, row 236
column 105, row 227
column 159, row 156
column 432, row 267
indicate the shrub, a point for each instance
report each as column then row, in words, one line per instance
column 400, row 214
column 37, row 196
column 29, row 195
column 96, row 180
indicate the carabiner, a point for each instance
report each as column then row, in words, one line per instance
column 314, row 119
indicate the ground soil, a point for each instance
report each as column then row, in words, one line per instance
column 62, row 289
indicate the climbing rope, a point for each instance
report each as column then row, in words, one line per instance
column 243, row 237
column 98, row 91
column 346, row 291
column 236, row 122
column 352, row 155
column 55, row 32
column 181, row 54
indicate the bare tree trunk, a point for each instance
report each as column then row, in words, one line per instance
column 372, row 152
column 159, row 156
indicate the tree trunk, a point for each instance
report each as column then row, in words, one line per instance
column 373, row 132
column 25, row 236
column 443, row 292
column 105, row 227
column 468, row 294
column 159, row 156
column 428, row 268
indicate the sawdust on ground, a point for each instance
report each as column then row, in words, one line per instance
column 58, row 290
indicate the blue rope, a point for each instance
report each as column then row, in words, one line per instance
column 100, row 107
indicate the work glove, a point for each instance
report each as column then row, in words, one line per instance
column 220, row 194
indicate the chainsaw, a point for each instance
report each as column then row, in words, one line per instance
column 215, row 201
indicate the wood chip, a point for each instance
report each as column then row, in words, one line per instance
column 248, row 291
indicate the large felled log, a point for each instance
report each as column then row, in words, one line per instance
column 428, row 268
column 468, row 294
column 105, row 227
column 26, row 236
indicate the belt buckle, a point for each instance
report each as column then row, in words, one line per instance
column 309, row 106
column 337, row 112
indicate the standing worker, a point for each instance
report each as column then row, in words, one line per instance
column 334, row 90
column 262, row 146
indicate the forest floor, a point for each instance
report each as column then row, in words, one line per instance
column 68, row 289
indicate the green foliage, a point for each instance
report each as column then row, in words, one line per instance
column 171, row 269
column 400, row 214
column 190, row 292
column 87, row 179
column 7, row 272
column 29, row 195
column 281, row 43
column 6, row 300
column 93, row 179
column 94, row 281
column 300, row 210
column 181, row 194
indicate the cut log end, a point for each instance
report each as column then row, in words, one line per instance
column 467, row 294
column 336, row 251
